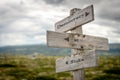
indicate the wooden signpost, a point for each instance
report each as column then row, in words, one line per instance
column 76, row 41
column 69, row 63
column 78, row 18
column 83, row 46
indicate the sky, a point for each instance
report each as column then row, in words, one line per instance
column 24, row 22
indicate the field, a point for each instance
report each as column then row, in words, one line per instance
column 21, row 67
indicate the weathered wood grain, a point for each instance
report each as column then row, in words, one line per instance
column 75, row 62
column 76, row 41
column 80, row 73
column 78, row 18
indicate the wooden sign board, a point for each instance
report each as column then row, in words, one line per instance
column 79, row 18
column 69, row 40
column 86, row 60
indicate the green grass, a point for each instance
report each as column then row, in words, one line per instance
column 108, row 69
column 20, row 67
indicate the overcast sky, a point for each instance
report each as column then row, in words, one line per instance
column 26, row 21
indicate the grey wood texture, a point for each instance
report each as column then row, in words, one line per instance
column 75, row 62
column 80, row 17
column 78, row 74
column 76, row 41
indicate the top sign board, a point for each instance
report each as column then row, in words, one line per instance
column 79, row 18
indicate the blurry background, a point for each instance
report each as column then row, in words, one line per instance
column 23, row 51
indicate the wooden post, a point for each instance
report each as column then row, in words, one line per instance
column 77, row 74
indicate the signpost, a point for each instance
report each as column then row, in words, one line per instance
column 73, row 40
column 69, row 63
column 78, row 18
column 83, row 46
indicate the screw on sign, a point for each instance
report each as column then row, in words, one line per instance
column 83, row 47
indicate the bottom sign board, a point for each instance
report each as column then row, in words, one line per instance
column 86, row 60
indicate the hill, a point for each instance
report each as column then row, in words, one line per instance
column 30, row 49
column 43, row 49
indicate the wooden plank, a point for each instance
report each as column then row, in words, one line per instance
column 78, row 18
column 80, row 73
column 86, row 60
column 76, row 41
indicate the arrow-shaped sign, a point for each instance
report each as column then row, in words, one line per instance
column 69, row 40
column 69, row 63
column 79, row 18
column 86, row 14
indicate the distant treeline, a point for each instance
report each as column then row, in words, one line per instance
column 43, row 49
